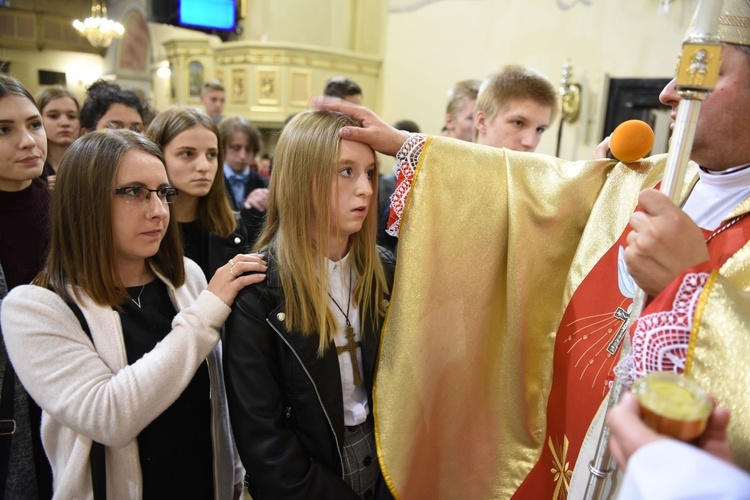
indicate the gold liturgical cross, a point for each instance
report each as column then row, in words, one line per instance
column 351, row 348
column 623, row 316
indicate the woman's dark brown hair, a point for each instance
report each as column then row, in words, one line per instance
column 82, row 249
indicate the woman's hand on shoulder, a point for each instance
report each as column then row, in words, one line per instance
column 241, row 271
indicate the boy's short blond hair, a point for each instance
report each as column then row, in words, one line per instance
column 515, row 83
column 209, row 85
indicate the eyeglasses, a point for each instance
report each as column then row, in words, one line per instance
column 140, row 194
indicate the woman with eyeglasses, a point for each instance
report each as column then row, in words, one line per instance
column 211, row 232
column 117, row 337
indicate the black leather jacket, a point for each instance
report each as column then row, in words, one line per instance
column 217, row 249
column 285, row 402
column 220, row 250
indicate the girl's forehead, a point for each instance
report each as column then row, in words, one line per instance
column 196, row 131
column 15, row 107
column 140, row 167
column 60, row 102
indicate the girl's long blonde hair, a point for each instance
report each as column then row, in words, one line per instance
column 297, row 227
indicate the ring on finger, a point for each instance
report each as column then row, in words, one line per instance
column 231, row 262
column 231, row 271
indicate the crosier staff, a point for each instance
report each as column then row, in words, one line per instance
column 697, row 74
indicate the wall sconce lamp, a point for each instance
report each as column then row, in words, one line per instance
column 570, row 92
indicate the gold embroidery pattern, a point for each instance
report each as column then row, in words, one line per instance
column 561, row 469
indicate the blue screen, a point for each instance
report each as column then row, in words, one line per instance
column 211, row 14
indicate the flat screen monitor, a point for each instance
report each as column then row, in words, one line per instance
column 208, row 14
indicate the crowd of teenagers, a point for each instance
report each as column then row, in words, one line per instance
column 124, row 252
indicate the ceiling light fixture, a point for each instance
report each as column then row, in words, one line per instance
column 98, row 29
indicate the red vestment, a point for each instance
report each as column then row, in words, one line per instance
column 583, row 367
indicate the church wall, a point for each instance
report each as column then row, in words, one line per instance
column 432, row 47
column 80, row 69
column 348, row 25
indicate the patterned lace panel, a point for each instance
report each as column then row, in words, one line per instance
column 406, row 163
column 624, row 371
column 660, row 340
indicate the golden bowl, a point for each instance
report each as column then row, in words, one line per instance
column 673, row 404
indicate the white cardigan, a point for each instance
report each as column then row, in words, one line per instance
column 90, row 393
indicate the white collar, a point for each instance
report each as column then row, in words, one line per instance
column 728, row 180
column 335, row 267
column 228, row 172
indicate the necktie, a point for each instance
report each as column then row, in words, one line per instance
column 238, row 182
column 238, row 179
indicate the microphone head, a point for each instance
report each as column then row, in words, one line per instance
column 631, row 141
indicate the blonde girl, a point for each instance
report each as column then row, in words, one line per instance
column 301, row 348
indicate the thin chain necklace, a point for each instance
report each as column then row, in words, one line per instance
column 137, row 300
column 349, row 303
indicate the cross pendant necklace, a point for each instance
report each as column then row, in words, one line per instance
column 351, row 346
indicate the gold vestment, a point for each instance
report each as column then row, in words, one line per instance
column 492, row 245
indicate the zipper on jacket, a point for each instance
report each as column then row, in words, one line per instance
column 214, row 432
column 317, row 394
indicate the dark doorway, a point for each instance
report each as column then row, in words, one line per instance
column 638, row 99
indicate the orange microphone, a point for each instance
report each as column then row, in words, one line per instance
column 631, row 141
